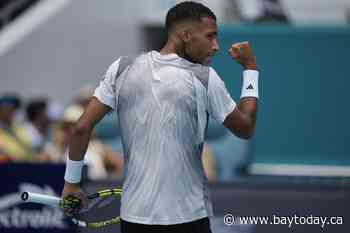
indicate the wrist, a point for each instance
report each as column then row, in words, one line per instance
column 73, row 172
column 250, row 66
column 250, row 87
column 71, row 185
column 250, row 63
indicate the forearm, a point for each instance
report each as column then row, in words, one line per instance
column 243, row 119
column 79, row 142
column 93, row 113
column 77, row 148
column 248, row 106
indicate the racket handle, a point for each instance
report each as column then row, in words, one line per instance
column 40, row 198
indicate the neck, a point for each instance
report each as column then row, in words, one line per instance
column 173, row 45
column 176, row 47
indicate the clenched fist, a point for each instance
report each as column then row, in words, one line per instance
column 243, row 54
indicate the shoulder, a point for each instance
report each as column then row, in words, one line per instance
column 120, row 64
column 206, row 75
column 201, row 72
column 214, row 78
column 213, row 73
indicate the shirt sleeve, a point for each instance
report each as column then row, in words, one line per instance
column 105, row 92
column 220, row 103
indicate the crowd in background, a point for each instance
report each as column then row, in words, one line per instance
column 38, row 130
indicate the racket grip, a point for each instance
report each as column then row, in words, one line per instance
column 40, row 198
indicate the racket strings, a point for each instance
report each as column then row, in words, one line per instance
column 102, row 199
column 98, row 204
column 110, row 192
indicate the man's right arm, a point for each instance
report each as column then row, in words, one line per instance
column 81, row 133
column 103, row 101
column 93, row 113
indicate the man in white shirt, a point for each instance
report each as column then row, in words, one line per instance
column 163, row 100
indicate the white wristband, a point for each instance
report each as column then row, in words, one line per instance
column 73, row 171
column 250, row 87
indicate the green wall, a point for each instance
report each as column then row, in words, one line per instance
column 304, row 91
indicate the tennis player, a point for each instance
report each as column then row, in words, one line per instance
column 163, row 100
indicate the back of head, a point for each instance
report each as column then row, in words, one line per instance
column 9, row 104
column 10, row 100
column 72, row 113
column 186, row 11
column 35, row 108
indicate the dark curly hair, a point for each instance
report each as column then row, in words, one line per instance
column 186, row 11
column 35, row 107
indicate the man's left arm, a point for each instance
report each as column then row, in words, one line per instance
column 241, row 121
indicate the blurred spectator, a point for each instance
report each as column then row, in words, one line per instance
column 36, row 127
column 12, row 145
column 209, row 163
column 101, row 160
column 272, row 11
column 84, row 95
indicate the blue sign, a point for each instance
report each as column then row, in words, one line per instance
column 19, row 217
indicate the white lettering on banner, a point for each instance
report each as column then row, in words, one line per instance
column 45, row 218
column 14, row 217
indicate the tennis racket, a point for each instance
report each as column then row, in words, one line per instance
column 97, row 202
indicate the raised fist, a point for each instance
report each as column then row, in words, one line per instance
column 243, row 54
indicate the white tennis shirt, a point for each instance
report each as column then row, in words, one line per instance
column 163, row 103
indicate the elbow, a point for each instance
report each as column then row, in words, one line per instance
column 246, row 133
column 243, row 127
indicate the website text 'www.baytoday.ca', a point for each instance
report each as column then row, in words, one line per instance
column 290, row 221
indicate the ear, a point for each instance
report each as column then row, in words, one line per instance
column 186, row 35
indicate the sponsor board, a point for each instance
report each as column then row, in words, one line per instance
column 16, row 216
